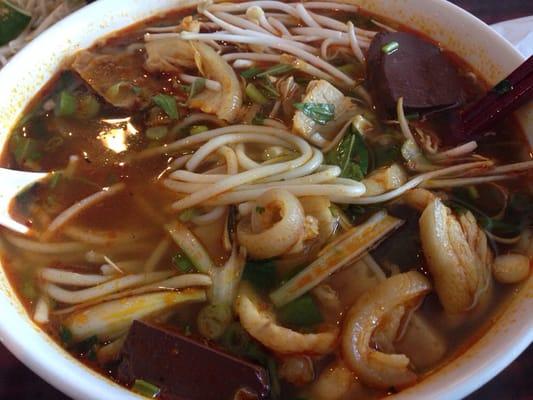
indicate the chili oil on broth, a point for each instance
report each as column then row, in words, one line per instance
column 106, row 138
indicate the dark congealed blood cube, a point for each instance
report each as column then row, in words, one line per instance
column 416, row 70
column 185, row 369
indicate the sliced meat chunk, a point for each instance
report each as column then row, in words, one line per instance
column 186, row 369
column 122, row 71
column 323, row 92
column 417, row 70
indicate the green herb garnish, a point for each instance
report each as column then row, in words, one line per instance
column 55, row 179
column 183, row 263
column 261, row 274
column 258, row 119
column 259, row 209
column 156, row 132
column 351, row 155
column 196, row 129
column 146, row 389
column 250, row 72
column 13, row 21
column 503, row 87
column 168, row 104
column 66, row 105
column 321, row 113
column 255, row 94
column 390, row 48
column 278, row 69
column 197, row 86
column 302, row 312
column 65, row 335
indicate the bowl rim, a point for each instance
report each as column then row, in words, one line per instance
column 21, row 336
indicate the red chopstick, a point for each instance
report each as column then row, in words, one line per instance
column 499, row 102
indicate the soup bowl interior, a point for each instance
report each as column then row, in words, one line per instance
column 483, row 49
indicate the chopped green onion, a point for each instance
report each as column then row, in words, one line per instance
column 136, row 89
column 88, row 107
column 197, row 86
column 261, row 274
column 55, row 179
column 473, row 192
column 276, row 70
column 255, row 95
column 156, row 132
column 321, row 113
column 114, row 92
column 66, row 106
column 188, row 214
column 145, row 389
column 258, row 119
column 413, row 116
column 250, row 72
column 65, row 335
column 269, row 89
column 53, row 143
column 25, row 149
column 183, row 263
column 302, row 312
column 259, row 209
column 13, row 21
column 168, row 104
column 29, row 291
column 503, row 87
column 195, row 129
column 348, row 69
column 390, row 48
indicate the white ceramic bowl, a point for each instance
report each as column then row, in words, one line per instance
column 489, row 54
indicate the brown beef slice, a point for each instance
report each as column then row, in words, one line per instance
column 185, row 369
column 418, row 71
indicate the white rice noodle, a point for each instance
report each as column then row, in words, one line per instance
column 252, row 56
column 157, row 255
column 354, row 44
column 339, row 190
column 245, row 162
column 274, row 123
column 119, row 267
column 240, row 22
column 404, row 124
column 458, row 151
column 209, row 217
column 95, row 292
column 419, row 179
column 56, row 275
column 246, row 176
column 45, row 248
column 279, row 26
column 103, row 238
column 509, row 168
column 232, row 29
column 305, row 17
column 384, row 26
column 275, row 43
column 73, row 211
column 448, row 183
column 209, row 83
